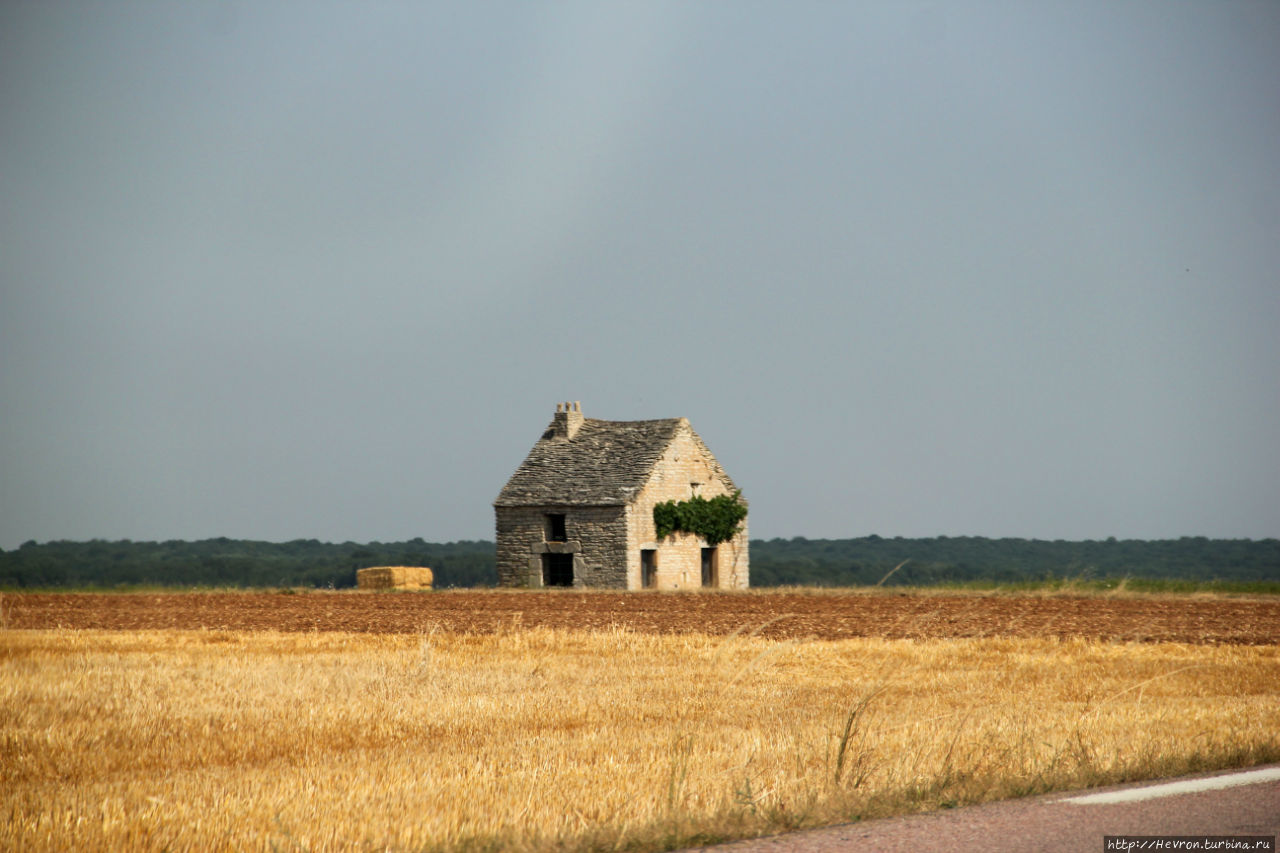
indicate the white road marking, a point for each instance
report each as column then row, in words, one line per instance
column 1169, row 789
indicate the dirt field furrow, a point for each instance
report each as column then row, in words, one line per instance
column 777, row 615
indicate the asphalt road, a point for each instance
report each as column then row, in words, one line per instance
column 1233, row 803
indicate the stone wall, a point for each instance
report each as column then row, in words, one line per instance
column 685, row 469
column 595, row 536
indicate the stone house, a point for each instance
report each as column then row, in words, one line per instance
column 579, row 509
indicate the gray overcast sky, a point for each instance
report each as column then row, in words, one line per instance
column 282, row 270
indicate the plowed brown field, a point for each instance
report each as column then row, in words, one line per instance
column 777, row 615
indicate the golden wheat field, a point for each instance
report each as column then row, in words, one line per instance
column 548, row 739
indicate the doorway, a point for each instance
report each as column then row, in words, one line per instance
column 709, row 573
column 648, row 567
column 557, row 570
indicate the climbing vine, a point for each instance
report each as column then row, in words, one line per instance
column 715, row 520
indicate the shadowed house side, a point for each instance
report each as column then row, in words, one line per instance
column 579, row 509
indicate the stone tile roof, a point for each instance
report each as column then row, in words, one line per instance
column 604, row 464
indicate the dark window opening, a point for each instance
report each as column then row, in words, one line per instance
column 648, row 567
column 557, row 570
column 709, row 567
column 555, row 528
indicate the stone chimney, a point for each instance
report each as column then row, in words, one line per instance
column 568, row 420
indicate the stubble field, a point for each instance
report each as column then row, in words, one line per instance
column 448, row 721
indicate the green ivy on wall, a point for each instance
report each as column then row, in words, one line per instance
column 715, row 520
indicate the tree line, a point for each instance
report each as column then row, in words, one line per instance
column 226, row 562
column 974, row 559
column 863, row 561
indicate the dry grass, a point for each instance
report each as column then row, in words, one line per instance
column 545, row 740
